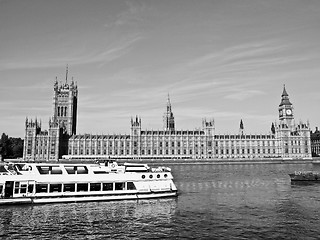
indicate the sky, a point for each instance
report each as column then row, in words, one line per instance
column 225, row 60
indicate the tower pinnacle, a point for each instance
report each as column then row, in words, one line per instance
column 67, row 74
column 168, row 117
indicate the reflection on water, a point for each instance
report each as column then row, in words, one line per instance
column 97, row 219
column 253, row 201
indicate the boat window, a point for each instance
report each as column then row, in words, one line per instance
column 158, row 176
column 43, row 169
column 95, row 186
column 119, row 186
column 82, row 187
column 165, row 175
column 150, row 176
column 131, row 186
column 20, row 187
column 76, row 169
column 16, row 187
column 69, row 187
column 56, row 170
column 82, row 170
column 143, row 176
column 23, row 187
column 55, row 187
column 49, row 169
column 107, row 186
column 41, row 188
column 30, row 188
column 100, row 172
column 70, row 169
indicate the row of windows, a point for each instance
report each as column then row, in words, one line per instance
column 58, row 170
column 62, row 111
column 176, row 144
column 135, row 144
column 245, row 151
column 23, row 187
column 98, row 152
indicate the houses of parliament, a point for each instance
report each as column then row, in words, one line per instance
column 286, row 138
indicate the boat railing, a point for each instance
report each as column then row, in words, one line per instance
column 161, row 169
column 306, row 173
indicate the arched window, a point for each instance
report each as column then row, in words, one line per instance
column 65, row 111
column 58, row 111
column 61, row 112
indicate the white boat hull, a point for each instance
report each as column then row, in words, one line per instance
column 41, row 183
column 65, row 199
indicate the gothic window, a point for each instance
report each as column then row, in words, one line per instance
column 58, row 111
column 65, row 111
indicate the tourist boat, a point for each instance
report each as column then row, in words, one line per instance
column 305, row 176
column 25, row 183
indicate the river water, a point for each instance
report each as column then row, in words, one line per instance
column 247, row 201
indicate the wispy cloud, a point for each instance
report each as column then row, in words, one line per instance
column 132, row 15
column 244, row 94
column 102, row 56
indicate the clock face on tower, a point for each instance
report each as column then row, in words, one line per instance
column 288, row 112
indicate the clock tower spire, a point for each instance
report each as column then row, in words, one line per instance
column 168, row 117
column 286, row 109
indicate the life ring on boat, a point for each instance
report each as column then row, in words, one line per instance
column 113, row 165
column 299, row 173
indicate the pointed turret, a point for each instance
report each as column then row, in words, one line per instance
column 67, row 74
column 241, row 128
column 273, row 129
column 285, row 97
column 168, row 118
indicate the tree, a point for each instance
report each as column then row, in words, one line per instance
column 4, row 142
column 16, row 147
column 10, row 147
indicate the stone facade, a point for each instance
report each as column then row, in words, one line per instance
column 315, row 143
column 286, row 139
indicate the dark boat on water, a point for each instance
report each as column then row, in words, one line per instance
column 305, row 176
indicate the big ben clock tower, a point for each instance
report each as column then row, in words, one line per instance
column 286, row 110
